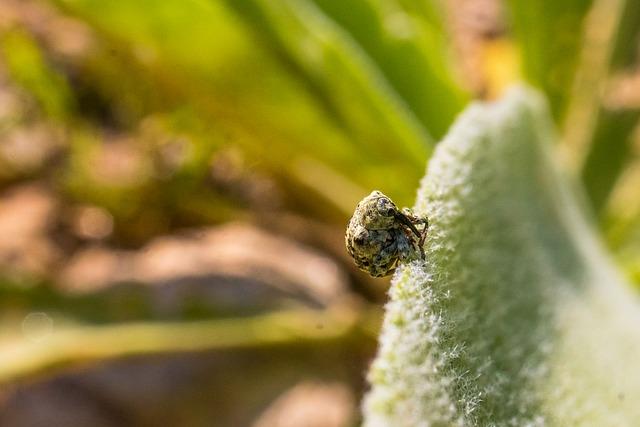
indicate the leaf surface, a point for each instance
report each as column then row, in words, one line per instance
column 517, row 317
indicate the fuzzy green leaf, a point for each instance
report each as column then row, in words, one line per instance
column 517, row 317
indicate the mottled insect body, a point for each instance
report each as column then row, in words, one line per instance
column 379, row 235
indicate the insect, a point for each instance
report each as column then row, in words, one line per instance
column 379, row 235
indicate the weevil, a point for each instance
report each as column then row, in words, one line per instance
column 380, row 235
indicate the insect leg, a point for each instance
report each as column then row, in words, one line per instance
column 408, row 219
column 416, row 239
column 425, row 229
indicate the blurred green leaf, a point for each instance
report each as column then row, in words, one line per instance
column 335, row 64
column 271, row 115
column 29, row 68
column 608, row 151
column 550, row 34
column 620, row 217
column 409, row 50
column 609, row 154
column 625, row 51
column 70, row 345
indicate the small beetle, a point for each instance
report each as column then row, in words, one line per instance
column 379, row 235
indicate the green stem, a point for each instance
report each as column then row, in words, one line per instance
column 65, row 348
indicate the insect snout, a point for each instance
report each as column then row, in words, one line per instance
column 386, row 207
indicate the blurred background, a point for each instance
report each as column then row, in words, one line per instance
column 176, row 177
